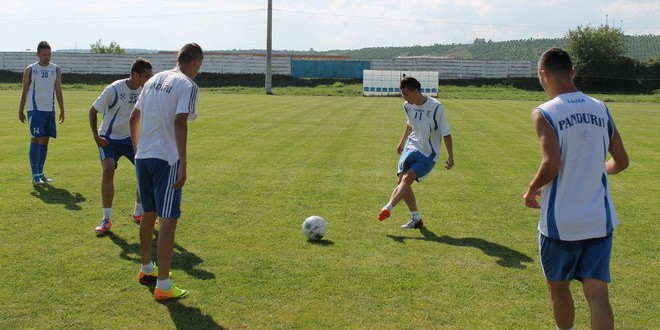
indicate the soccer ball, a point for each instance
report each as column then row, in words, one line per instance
column 314, row 228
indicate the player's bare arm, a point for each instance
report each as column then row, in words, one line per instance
column 619, row 160
column 100, row 141
column 58, row 94
column 450, row 151
column 26, row 86
column 550, row 161
column 134, row 124
column 404, row 139
column 181, row 138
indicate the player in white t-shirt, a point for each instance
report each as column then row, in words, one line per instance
column 113, row 136
column 159, row 128
column 577, row 214
column 419, row 147
column 42, row 84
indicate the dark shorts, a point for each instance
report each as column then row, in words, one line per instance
column 568, row 260
column 155, row 178
column 42, row 123
column 116, row 149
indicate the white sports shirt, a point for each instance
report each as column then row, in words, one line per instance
column 577, row 204
column 429, row 125
column 116, row 103
column 41, row 93
column 166, row 94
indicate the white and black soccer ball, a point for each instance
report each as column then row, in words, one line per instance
column 314, row 228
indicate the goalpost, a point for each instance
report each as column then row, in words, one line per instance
column 386, row 82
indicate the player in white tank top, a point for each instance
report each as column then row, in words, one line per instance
column 577, row 215
column 42, row 86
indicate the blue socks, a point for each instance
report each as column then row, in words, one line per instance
column 38, row 154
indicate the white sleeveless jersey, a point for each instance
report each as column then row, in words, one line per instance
column 115, row 104
column 41, row 92
column 429, row 125
column 577, row 204
column 166, row 94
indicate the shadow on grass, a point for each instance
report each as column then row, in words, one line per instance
column 52, row 195
column 506, row 257
column 187, row 317
column 182, row 258
column 322, row 242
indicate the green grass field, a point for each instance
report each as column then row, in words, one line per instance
column 258, row 165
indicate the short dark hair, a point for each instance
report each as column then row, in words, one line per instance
column 410, row 83
column 43, row 45
column 140, row 65
column 556, row 60
column 190, row 52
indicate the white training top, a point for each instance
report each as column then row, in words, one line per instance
column 429, row 125
column 166, row 94
column 41, row 93
column 116, row 103
column 577, row 204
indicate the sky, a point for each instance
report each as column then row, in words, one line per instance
column 305, row 25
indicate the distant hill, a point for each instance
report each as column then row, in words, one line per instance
column 641, row 48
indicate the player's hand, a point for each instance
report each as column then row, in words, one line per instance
column 531, row 199
column 21, row 116
column 450, row 163
column 399, row 149
column 61, row 116
column 101, row 142
column 181, row 178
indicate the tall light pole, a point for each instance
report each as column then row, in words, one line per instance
column 269, row 49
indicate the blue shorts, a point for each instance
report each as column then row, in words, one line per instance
column 568, row 260
column 155, row 178
column 420, row 164
column 116, row 149
column 42, row 123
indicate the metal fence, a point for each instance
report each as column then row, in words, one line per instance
column 281, row 65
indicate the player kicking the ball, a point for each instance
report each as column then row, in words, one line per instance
column 114, row 137
column 419, row 147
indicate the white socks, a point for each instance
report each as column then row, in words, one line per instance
column 148, row 268
column 138, row 209
column 415, row 215
column 164, row 285
column 107, row 213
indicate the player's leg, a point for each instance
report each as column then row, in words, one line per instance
column 108, row 158
column 594, row 269
column 403, row 190
column 168, row 204
column 563, row 307
column 50, row 130
column 597, row 295
column 143, row 169
column 125, row 148
column 559, row 261
column 38, row 144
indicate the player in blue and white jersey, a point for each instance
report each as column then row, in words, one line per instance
column 113, row 136
column 42, row 85
column 159, row 128
column 576, row 133
column 419, row 147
